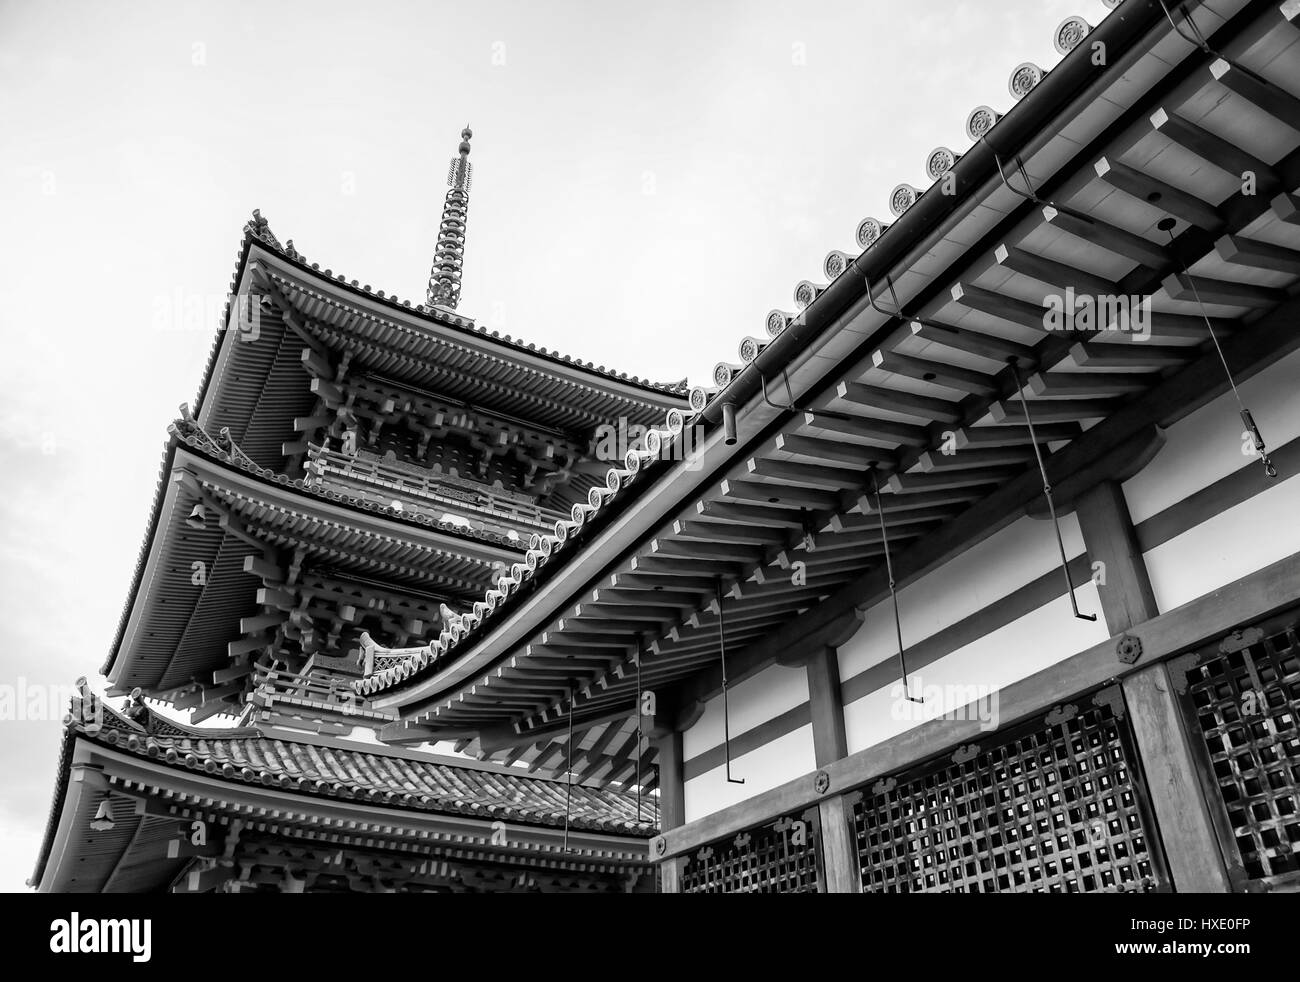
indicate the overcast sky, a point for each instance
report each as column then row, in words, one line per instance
column 649, row 180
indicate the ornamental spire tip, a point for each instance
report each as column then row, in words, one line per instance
column 449, row 257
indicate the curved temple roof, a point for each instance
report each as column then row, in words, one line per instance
column 246, row 756
column 880, row 387
column 982, row 120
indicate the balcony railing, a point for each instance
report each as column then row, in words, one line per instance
column 317, row 694
column 493, row 508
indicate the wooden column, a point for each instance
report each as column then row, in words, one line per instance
column 672, row 801
column 839, row 852
column 1164, row 746
column 1108, row 534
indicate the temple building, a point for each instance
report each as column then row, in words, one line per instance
column 977, row 571
column 355, row 470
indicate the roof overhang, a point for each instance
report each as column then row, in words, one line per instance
column 201, row 577
column 283, row 311
column 880, row 394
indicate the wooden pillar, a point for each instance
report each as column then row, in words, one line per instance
column 839, row 851
column 1163, row 743
column 1108, row 534
column 672, row 801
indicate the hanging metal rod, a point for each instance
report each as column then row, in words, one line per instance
column 1047, row 493
column 639, row 648
column 568, row 775
column 893, row 592
column 726, row 712
column 1166, row 225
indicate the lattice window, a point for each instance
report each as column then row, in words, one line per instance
column 1056, row 804
column 780, row 857
column 1242, row 698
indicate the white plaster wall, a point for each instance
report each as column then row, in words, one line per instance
column 752, row 702
column 772, row 764
column 1206, row 445
column 965, row 585
column 1245, row 538
column 1027, row 645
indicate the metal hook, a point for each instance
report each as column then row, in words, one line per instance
column 789, row 393
column 897, row 311
column 790, row 407
column 1199, row 40
column 1031, row 194
column 1167, row 225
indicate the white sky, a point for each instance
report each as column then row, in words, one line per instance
column 649, row 180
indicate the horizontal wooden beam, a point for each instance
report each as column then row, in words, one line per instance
column 883, row 431
column 1158, row 194
column 1249, row 599
column 973, row 342
column 1254, row 254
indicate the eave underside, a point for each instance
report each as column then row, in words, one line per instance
column 1170, row 142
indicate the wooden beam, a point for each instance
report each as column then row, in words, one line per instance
column 1247, row 352
column 1053, row 274
column 1182, row 813
column 947, row 480
column 894, row 400
column 826, row 706
column 721, row 532
column 1116, row 240
column 787, row 497
column 672, row 802
column 1249, row 599
column 1053, row 410
column 724, row 511
column 937, row 460
column 1277, row 102
column 1012, row 436
column 1181, row 286
column 1031, row 316
column 924, row 370
column 1125, row 588
column 808, row 475
column 1286, row 207
column 882, row 431
column 973, row 342
column 1074, row 385
column 1158, row 194
column 1128, row 600
column 833, row 452
column 1117, row 357
column 1226, row 156
column 1254, row 254
column 839, row 846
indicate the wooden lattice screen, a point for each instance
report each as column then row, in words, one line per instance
column 1241, row 698
column 1055, row 804
column 779, row 857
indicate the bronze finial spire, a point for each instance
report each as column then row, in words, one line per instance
column 444, row 278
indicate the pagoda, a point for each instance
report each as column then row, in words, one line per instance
column 354, row 474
